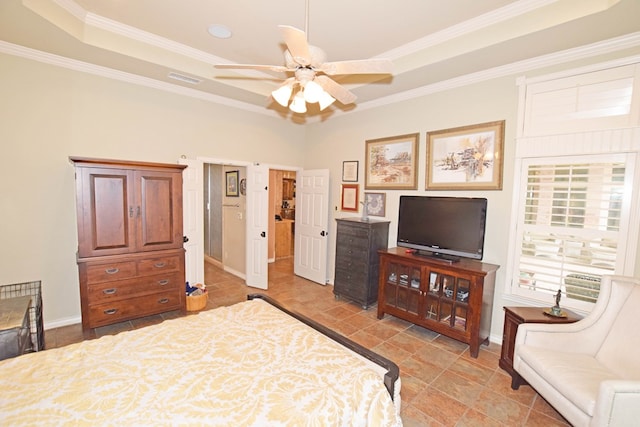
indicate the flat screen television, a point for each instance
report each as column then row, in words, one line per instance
column 443, row 227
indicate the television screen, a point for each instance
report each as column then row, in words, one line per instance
column 446, row 227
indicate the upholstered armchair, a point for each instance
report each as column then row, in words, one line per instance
column 589, row 371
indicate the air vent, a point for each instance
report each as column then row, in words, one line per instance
column 185, row 79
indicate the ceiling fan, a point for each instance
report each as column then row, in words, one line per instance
column 311, row 73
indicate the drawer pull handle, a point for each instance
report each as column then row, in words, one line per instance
column 159, row 264
column 111, row 311
column 113, row 270
column 110, row 291
column 163, row 282
column 163, row 301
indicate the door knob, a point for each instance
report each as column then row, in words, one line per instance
column 185, row 239
column 323, row 233
column 263, row 234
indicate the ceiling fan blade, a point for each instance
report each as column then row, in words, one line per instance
column 296, row 41
column 334, row 89
column 277, row 68
column 364, row 66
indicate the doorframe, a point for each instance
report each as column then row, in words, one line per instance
column 229, row 162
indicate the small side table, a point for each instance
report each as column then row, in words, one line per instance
column 514, row 316
column 15, row 326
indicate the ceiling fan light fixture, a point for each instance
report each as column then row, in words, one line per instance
column 298, row 105
column 282, row 94
column 313, row 92
column 325, row 100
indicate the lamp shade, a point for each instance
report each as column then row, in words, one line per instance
column 282, row 94
column 298, row 105
column 313, row 92
column 325, row 100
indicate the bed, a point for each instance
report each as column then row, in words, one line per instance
column 250, row 364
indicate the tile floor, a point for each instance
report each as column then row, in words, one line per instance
column 441, row 384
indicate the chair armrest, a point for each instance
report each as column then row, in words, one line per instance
column 618, row 404
column 568, row 337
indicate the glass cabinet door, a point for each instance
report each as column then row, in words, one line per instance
column 402, row 288
column 447, row 298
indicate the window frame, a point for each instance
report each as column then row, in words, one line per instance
column 623, row 265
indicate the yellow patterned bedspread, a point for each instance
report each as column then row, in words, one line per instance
column 244, row 365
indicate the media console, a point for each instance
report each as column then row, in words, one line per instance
column 453, row 299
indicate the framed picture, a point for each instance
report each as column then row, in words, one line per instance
column 349, row 197
column 350, row 171
column 375, row 203
column 466, row 158
column 391, row 163
column 232, row 184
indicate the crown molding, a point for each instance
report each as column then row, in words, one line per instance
column 85, row 67
column 467, row 27
column 583, row 52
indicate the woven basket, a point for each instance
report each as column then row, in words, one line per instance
column 197, row 302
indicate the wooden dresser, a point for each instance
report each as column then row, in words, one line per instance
column 357, row 261
column 455, row 300
column 130, row 242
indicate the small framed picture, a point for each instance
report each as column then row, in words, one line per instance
column 350, row 171
column 375, row 203
column 233, row 189
column 349, row 198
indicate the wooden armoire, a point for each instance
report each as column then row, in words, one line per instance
column 130, row 242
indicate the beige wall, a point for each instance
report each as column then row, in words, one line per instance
column 489, row 101
column 53, row 113
column 343, row 138
column 234, row 226
column 48, row 114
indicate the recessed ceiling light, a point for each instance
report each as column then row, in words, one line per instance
column 219, row 31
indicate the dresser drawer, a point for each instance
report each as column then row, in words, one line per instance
column 349, row 231
column 112, row 291
column 353, row 241
column 350, row 278
column 352, row 265
column 107, row 272
column 117, row 311
column 158, row 265
column 352, row 252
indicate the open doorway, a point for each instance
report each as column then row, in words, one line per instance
column 224, row 207
column 224, row 216
column 250, row 211
column 282, row 208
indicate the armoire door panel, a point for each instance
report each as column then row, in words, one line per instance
column 160, row 219
column 107, row 220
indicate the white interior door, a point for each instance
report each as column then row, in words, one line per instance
column 193, row 221
column 257, row 226
column 312, row 225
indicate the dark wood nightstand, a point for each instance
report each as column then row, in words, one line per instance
column 514, row 316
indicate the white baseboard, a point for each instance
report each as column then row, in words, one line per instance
column 58, row 323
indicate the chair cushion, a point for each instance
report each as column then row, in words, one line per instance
column 576, row 376
column 620, row 351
